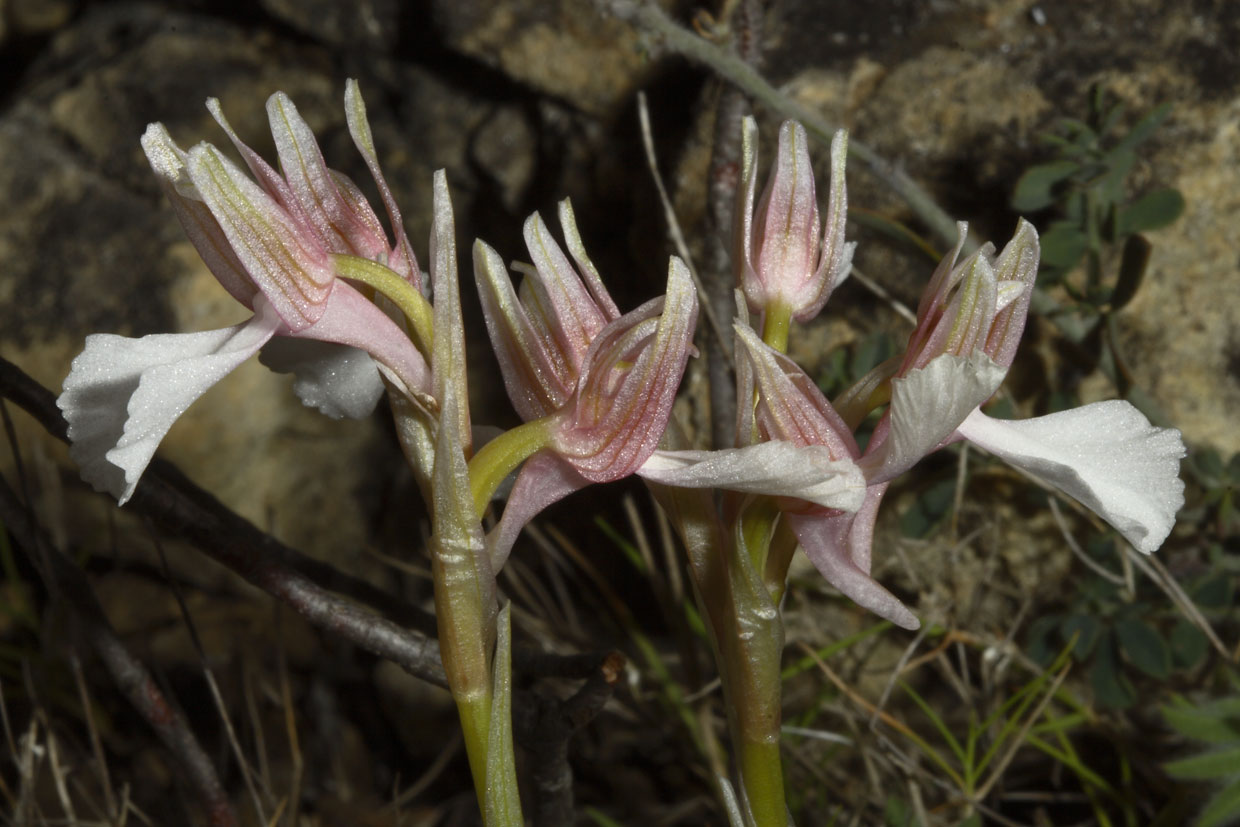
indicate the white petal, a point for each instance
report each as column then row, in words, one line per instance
column 927, row 406
column 1107, row 455
column 337, row 380
column 122, row 395
column 778, row 468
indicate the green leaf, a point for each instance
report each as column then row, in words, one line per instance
column 1217, row 722
column 1035, row 189
column 1223, row 808
column 1087, row 628
column 1108, row 186
column 1111, row 687
column 1217, row 763
column 1038, row 640
column 1188, row 644
column 1063, row 244
column 503, row 802
column 1151, row 211
column 1132, row 266
column 1145, row 127
column 873, row 349
column 1214, row 592
column 1144, row 647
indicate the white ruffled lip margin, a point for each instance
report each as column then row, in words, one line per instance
column 1106, row 455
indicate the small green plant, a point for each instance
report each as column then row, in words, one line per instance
column 1217, row 724
column 1219, row 481
column 1085, row 184
column 1117, row 630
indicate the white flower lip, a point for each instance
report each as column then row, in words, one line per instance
column 778, row 468
column 1106, row 455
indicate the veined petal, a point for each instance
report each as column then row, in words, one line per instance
column 556, row 298
column 544, row 479
column 290, row 268
column 1017, row 265
column 1106, row 455
column 339, row 227
column 589, row 273
column 402, row 259
column 790, row 406
column 777, row 468
column 267, row 177
column 786, row 224
column 122, row 395
column 629, row 382
column 836, row 257
column 169, row 163
column 536, row 384
column 825, row 541
column 337, row 380
column 927, row 406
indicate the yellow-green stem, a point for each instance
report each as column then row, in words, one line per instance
column 403, row 294
column 776, row 322
column 475, row 713
column 501, row 456
column 757, row 525
column 763, row 777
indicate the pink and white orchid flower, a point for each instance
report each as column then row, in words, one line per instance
column 603, row 384
column 782, row 257
column 1106, row 455
column 271, row 245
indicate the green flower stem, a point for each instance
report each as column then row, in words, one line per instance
column 763, row 776
column 475, row 714
column 776, row 322
column 501, row 456
column 751, row 669
column 412, row 303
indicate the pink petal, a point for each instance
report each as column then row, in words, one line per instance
column 629, row 383
column 338, row 224
column 826, row 541
column 348, row 318
column 544, row 479
column 290, row 268
column 205, row 233
column 402, row 259
column 537, row 384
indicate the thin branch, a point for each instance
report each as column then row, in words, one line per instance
column 182, row 509
column 652, row 19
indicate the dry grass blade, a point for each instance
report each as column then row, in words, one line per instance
column 96, row 746
column 247, row 771
column 1156, row 571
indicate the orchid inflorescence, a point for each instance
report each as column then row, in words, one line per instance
column 340, row 302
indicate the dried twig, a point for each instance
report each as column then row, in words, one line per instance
column 545, row 728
